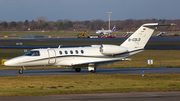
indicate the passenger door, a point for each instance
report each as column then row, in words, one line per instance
column 52, row 56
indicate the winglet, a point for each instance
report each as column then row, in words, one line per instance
column 156, row 25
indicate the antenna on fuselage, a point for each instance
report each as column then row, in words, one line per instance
column 59, row 46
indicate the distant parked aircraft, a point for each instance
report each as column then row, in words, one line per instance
column 106, row 32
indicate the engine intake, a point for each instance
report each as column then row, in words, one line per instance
column 112, row 49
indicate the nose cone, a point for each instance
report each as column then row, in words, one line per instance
column 17, row 61
column 9, row 63
column 13, row 62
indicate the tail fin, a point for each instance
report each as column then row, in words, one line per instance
column 114, row 29
column 141, row 36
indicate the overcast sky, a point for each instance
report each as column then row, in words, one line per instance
column 82, row 10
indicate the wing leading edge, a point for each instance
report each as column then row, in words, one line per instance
column 74, row 62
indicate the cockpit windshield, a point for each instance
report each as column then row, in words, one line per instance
column 32, row 53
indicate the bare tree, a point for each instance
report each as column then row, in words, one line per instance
column 42, row 22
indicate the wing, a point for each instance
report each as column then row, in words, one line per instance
column 77, row 62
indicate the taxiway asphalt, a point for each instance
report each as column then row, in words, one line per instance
column 99, row 71
column 140, row 96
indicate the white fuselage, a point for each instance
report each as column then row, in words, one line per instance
column 67, row 57
column 105, row 32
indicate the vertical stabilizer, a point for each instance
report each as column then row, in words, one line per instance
column 140, row 37
column 114, row 29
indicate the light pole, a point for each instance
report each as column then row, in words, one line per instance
column 109, row 18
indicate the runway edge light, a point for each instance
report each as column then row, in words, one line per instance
column 143, row 74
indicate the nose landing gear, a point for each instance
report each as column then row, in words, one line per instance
column 21, row 70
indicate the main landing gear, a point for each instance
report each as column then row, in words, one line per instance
column 93, row 71
column 21, row 70
column 77, row 69
column 92, row 67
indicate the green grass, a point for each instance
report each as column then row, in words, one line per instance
column 15, row 33
column 167, row 58
column 80, row 84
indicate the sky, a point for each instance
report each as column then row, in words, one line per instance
column 83, row 10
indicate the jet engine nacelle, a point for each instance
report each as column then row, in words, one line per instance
column 112, row 49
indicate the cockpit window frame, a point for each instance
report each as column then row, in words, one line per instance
column 32, row 53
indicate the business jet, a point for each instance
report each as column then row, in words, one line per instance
column 106, row 32
column 87, row 56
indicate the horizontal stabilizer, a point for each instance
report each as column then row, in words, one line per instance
column 156, row 25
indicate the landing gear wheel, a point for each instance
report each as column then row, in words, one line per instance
column 100, row 35
column 93, row 71
column 77, row 69
column 20, row 71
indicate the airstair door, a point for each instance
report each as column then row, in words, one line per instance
column 52, row 56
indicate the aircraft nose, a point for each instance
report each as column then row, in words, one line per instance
column 8, row 63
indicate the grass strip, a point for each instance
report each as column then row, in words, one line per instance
column 80, row 84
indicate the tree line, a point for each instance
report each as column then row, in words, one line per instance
column 93, row 25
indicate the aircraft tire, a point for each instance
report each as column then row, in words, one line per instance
column 20, row 71
column 101, row 34
column 77, row 69
column 93, row 71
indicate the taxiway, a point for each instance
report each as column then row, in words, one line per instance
column 141, row 96
column 99, row 71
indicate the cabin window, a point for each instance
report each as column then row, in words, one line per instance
column 66, row 52
column 71, row 51
column 32, row 53
column 82, row 51
column 76, row 51
column 60, row 52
